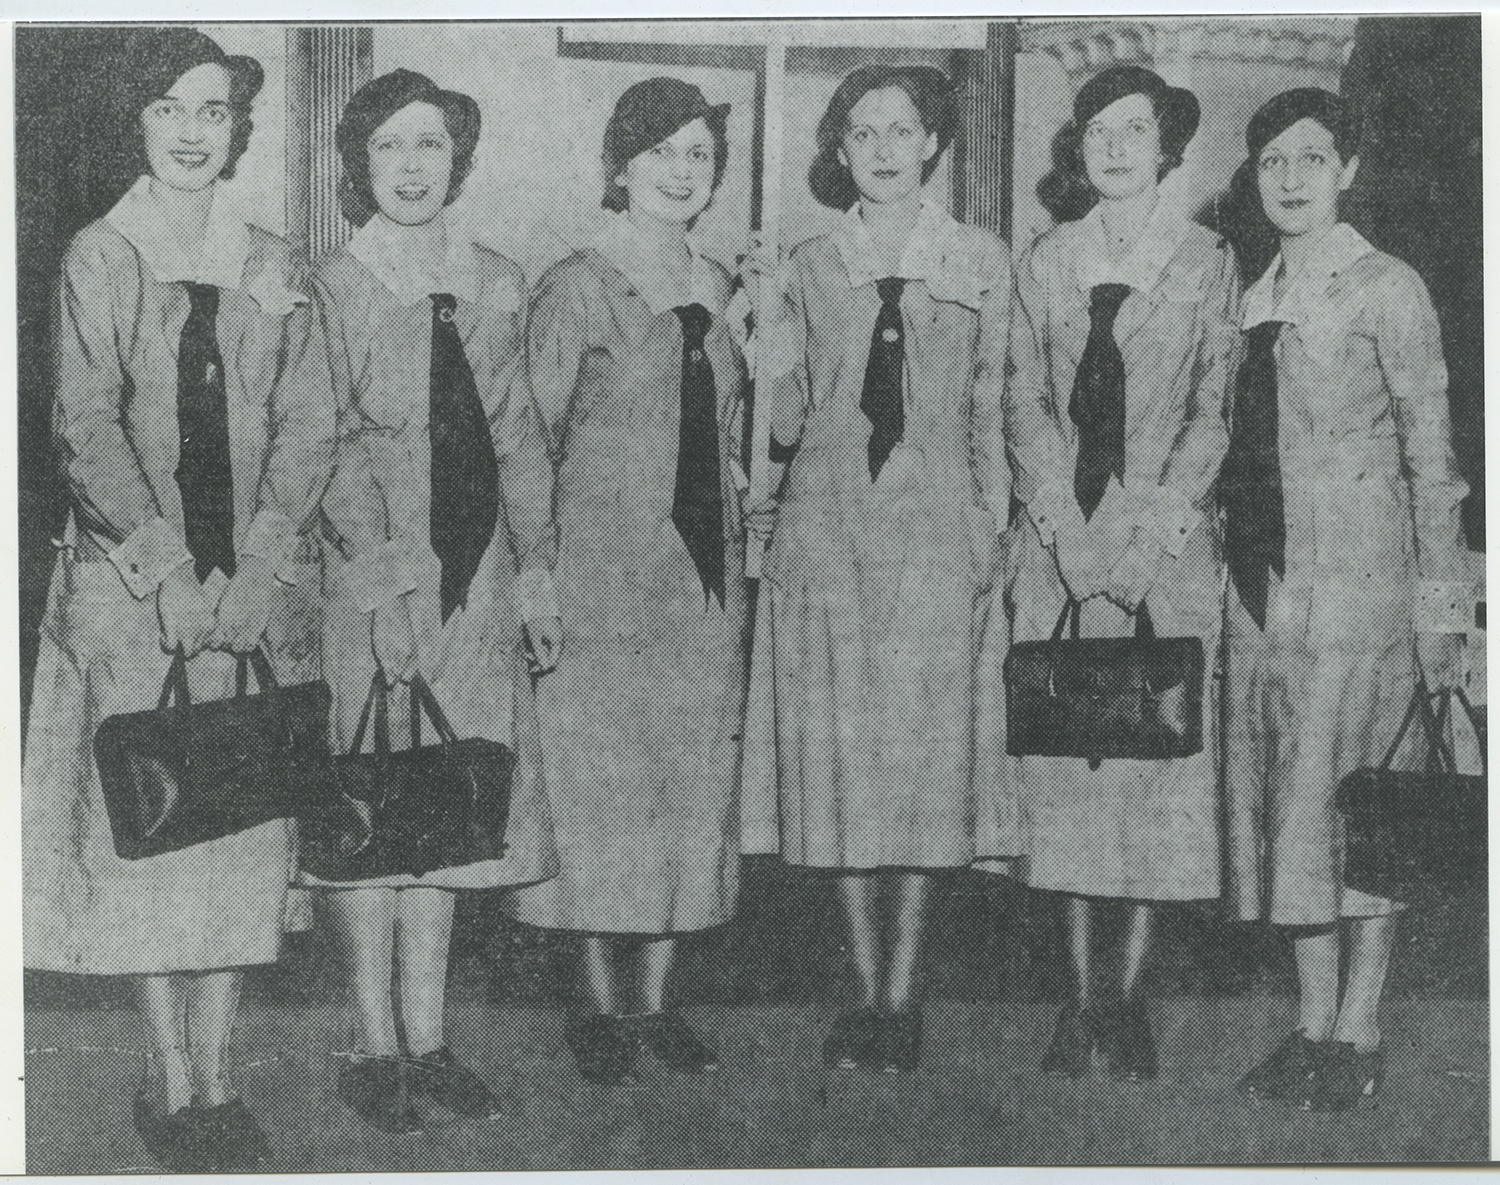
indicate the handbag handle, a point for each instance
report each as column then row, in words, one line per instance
column 423, row 698
column 256, row 660
column 378, row 700
column 1073, row 609
column 1478, row 724
column 175, row 685
column 1420, row 707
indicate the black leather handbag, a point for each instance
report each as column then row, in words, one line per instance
column 1422, row 834
column 412, row 812
column 184, row 773
column 1094, row 698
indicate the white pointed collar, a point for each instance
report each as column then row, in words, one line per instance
column 142, row 221
column 1143, row 265
column 1339, row 248
column 921, row 259
column 376, row 245
column 621, row 242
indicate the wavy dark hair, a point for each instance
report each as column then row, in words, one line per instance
column 376, row 102
column 1066, row 191
column 932, row 94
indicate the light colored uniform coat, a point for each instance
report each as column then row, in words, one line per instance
column 876, row 594
column 121, row 309
column 1138, row 829
column 378, row 513
column 641, row 721
column 1373, row 544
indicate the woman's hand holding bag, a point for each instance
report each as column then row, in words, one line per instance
column 187, row 618
column 1134, row 576
column 393, row 639
column 1079, row 561
column 245, row 608
column 1440, row 657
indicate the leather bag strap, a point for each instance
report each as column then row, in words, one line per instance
column 176, row 683
column 1071, row 610
column 376, row 701
column 257, row 661
column 421, row 693
column 1144, row 628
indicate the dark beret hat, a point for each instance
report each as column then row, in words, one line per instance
column 653, row 111
column 1290, row 107
column 1176, row 107
column 150, row 60
column 380, row 98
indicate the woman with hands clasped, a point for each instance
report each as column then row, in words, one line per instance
column 1123, row 348
column 882, row 373
column 437, row 455
column 1347, row 566
column 193, row 415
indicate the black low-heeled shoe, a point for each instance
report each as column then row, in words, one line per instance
column 605, row 1049
column 1071, row 1052
column 1285, row 1073
column 900, row 1046
column 376, row 1089
column 1122, row 1034
column 235, row 1142
column 675, row 1043
column 174, row 1139
column 855, row 1040
column 1344, row 1079
column 452, row 1085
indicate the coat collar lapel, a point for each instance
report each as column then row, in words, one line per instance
column 142, row 221
column 374, row 245
column 1342, row 246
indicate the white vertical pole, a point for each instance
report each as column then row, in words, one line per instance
column 765, row 310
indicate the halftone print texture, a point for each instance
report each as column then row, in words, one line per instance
column 774, row 889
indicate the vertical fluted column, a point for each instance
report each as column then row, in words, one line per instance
column 326, row 65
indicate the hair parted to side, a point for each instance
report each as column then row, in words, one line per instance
column 647, row 114
column 933, row 95
column 376, row 102
column 1066, row 192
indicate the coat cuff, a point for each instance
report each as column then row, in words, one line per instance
column 272, row 537
column 377, row 577
column 1170, row 517
column 1052, row 505
column 1444, row 607
column 149, row 555
column 536, row 595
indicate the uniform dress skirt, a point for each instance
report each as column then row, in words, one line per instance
column 214, row 905
column 641, row 732
column 868, row 700
column 1146, row 830
column 476, row 670
column 1318, row 693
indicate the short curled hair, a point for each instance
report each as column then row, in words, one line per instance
column 932, row 94
column 376, row 102
column 149, row 63
column 650, row 113
column 1066, row 191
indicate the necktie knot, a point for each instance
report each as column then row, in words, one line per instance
column 695, row 321
column 444, row 306
column 1105, row 301
column 1261, row 339
column 890, row 290
column 203, row 300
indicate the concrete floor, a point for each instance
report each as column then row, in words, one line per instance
column 977, row 1100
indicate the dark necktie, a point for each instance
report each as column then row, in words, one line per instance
column 204, row 472
column 1250, row 487
column 1098, row 402
column 881, row 398
column 465, row 475
column 697, row 499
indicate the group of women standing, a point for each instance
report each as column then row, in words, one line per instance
column 532, row 499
